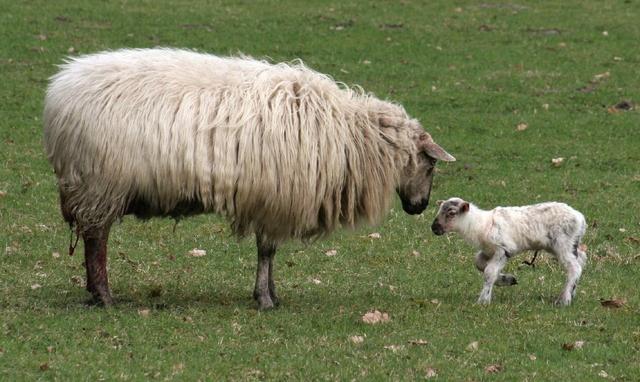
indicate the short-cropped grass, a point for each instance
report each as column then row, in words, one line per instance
column 471, row 72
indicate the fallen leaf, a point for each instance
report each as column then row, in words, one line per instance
column 197, row 252
column 603, row 374
column 36, row 286
column 71, row 50
column 522, row 127
column 605, row 33
column 356, row 339
column 189, row 320
column 613, row 303
column 331, row 252
column 375, row 317
column 569, row 346
column 374, row 235
column 415, row 253
column 601, row 76
column 616, row 58
column 533, row 357
column 42, row 37
column 144, row 312
column 44, row 366
column 545, row 106
column 178, row 367
column 583, row 247
column 418, row 342
column 557, row 162
column 435, row 301
column 620, row 106
column 473, row 346
column 495, row 368
column 77, row 280
column 3, row 194
column 430, row 373
column 366, row 62
column 394, row 348
column 316, row 281
column 632, row 239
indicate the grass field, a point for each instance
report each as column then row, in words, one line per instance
column 471, row 72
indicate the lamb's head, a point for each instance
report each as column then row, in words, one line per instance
column 449, row 213
column 416, row 177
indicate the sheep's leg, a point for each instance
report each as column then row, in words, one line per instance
column 265, row 290
column 491, row 275
column 574, row 270
column 95, row 260
column 504, row 279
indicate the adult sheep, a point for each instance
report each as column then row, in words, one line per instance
column 281, row 150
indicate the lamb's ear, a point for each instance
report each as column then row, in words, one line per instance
column 464, row 207
column 439, row 202
column 432, row 149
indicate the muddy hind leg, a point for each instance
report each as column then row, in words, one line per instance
column 265, row 290
column 504, row 279
column 95, row 260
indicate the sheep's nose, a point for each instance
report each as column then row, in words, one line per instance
column 436, row 228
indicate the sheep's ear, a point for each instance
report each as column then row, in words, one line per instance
column 432, row 149
column 464, row 207
column 439, row 202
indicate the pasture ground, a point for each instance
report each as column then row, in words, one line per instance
column 471, row 72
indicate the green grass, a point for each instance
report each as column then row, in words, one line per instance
column 470, row 72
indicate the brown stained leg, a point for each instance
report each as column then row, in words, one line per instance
column 264, row 291
column 95, row 260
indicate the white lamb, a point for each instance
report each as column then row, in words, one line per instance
column 506, row 231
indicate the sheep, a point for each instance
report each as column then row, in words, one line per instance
column 280, row 150
column 504, row 232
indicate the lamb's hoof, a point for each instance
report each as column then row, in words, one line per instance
column 507, row 280
column 483, row 301
column 561, row 302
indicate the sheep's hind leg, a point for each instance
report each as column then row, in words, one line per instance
column 574, row 271
column 504, row 279
column 95, row 260
column 265, row 291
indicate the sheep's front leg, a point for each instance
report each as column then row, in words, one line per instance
column 504, row 279
column 265, row 289
column 95, row 260
column 491, row 275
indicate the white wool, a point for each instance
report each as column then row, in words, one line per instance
column 278, row 149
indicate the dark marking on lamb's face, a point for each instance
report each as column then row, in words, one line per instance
column 575, row 249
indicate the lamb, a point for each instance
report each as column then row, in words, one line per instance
column 504, row 232
column 282, row 151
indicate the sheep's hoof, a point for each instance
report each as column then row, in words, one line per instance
column 265, row 303
column 103, row 301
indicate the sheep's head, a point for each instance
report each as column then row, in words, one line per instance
column 416, row 177
column 448, row 212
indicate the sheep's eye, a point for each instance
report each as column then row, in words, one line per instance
column 451, row 213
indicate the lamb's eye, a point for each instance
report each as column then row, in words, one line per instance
column 451, row 213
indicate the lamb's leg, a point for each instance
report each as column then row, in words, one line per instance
column 572, row 265
column 491, row 275
column 95, row 260
column 265, row 290
column 504, row 279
